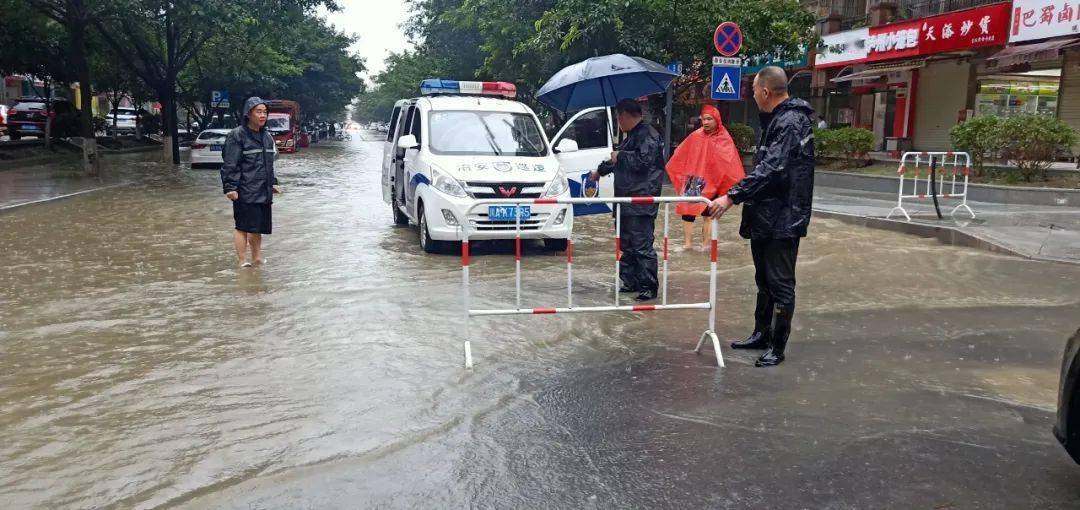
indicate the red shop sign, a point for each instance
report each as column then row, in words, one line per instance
column 955, row 31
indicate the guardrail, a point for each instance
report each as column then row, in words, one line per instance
column 570, row 307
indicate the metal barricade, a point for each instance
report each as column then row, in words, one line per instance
column 952, row 164
column 665, row 203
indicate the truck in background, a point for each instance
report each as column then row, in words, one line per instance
column 284, row 124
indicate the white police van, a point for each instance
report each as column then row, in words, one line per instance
column 463, row 141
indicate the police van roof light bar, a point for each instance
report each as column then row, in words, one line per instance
column 483, row 88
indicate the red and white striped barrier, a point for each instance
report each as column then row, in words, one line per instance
column 665, row 202
column 948, row 165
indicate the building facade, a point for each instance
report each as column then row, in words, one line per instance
column 909, row 72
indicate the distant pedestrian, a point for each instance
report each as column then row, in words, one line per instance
column 706, row 164
column 247, row 178
column 821, row 124
column 638, row 165
column 777, row 196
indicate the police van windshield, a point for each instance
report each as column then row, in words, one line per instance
column 469, row 133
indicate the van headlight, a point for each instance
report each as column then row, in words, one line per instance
column 557, row 187
column 446, row 184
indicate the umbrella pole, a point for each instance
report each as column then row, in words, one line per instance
column 667, row 123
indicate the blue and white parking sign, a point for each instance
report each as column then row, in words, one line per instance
column 726, row 83
column 219, row 98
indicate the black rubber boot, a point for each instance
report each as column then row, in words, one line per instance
column 781, row 330
column 646, row 295
column 759, row 339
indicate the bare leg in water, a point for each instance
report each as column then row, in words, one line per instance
column 240, row 245
column 255, row 240
column 706, row 231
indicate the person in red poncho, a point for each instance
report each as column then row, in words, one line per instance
column 706, row 164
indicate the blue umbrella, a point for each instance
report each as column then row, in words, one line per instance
column 603, row 81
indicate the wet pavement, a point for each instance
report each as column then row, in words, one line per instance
column 139, row 368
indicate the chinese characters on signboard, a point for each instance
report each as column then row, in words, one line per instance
column 955, row 31
column 1040, row 19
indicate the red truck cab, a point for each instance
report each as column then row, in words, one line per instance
column 284, row 124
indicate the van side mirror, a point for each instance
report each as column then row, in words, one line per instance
column 566, row 145
column 407, row 142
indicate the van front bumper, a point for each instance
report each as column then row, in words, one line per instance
column 547, row 221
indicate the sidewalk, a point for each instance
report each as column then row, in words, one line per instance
column 1037, row 232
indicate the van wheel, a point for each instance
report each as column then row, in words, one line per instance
column 428, row 244
column 399, row 217
column 555, row 244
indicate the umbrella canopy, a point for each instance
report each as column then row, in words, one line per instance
column 603, row 81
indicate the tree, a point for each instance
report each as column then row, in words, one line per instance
column 161, row 37
column 35, row 45
column 76, row 16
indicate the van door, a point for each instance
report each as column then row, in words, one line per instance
column 408, row 166
column 390, row 156
column 591, row 130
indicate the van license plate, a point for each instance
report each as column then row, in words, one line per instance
column 508, row 212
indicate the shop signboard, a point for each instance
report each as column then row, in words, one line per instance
column 842, row 48
column 1041, row 19
column 758, row 62
column 954, row 31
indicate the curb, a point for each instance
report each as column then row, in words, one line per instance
column 7, row 208
column 950, row 236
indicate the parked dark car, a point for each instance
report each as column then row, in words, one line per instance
column 27, row 118
column 1067, row 427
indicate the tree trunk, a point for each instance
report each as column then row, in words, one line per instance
column 48, row 114
column 77, row 29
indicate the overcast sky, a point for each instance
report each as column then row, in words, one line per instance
column 377, row 24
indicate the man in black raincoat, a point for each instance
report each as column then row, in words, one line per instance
column 639, row 169
column 247, row 178
column 776, row 197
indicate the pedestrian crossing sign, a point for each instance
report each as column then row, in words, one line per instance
column 726, row 83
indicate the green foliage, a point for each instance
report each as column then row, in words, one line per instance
column 1034, row 142
column 1031, row 142
column 848, row 143
column 743, row 135
column 980, row 137
column 527, row 41
column 33, row 43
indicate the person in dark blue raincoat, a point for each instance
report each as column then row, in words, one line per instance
column 639, row 171
column 247, row 178
column 777, row 196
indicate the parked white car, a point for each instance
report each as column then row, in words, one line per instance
column 207, row 147
column 125, row 122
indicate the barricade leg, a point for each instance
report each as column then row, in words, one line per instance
column 714, row 257
column 900, row 196
column 465, row 291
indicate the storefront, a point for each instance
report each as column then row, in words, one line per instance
column 908, row 82
column 1039, row 73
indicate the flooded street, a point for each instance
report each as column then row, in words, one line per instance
column 139, row 368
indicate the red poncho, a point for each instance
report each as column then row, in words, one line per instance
column 711, row 157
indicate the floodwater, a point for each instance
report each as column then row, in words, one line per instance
column 139, row 368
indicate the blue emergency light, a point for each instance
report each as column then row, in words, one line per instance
column 480, row 88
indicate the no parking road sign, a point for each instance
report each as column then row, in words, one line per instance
column 728, row 39
column 726, row 83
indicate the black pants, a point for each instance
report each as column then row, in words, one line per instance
column 774, row 271
column 637, row 268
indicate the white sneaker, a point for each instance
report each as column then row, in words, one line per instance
column 246, row 264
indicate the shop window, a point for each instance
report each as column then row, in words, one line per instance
column 1007, row 98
